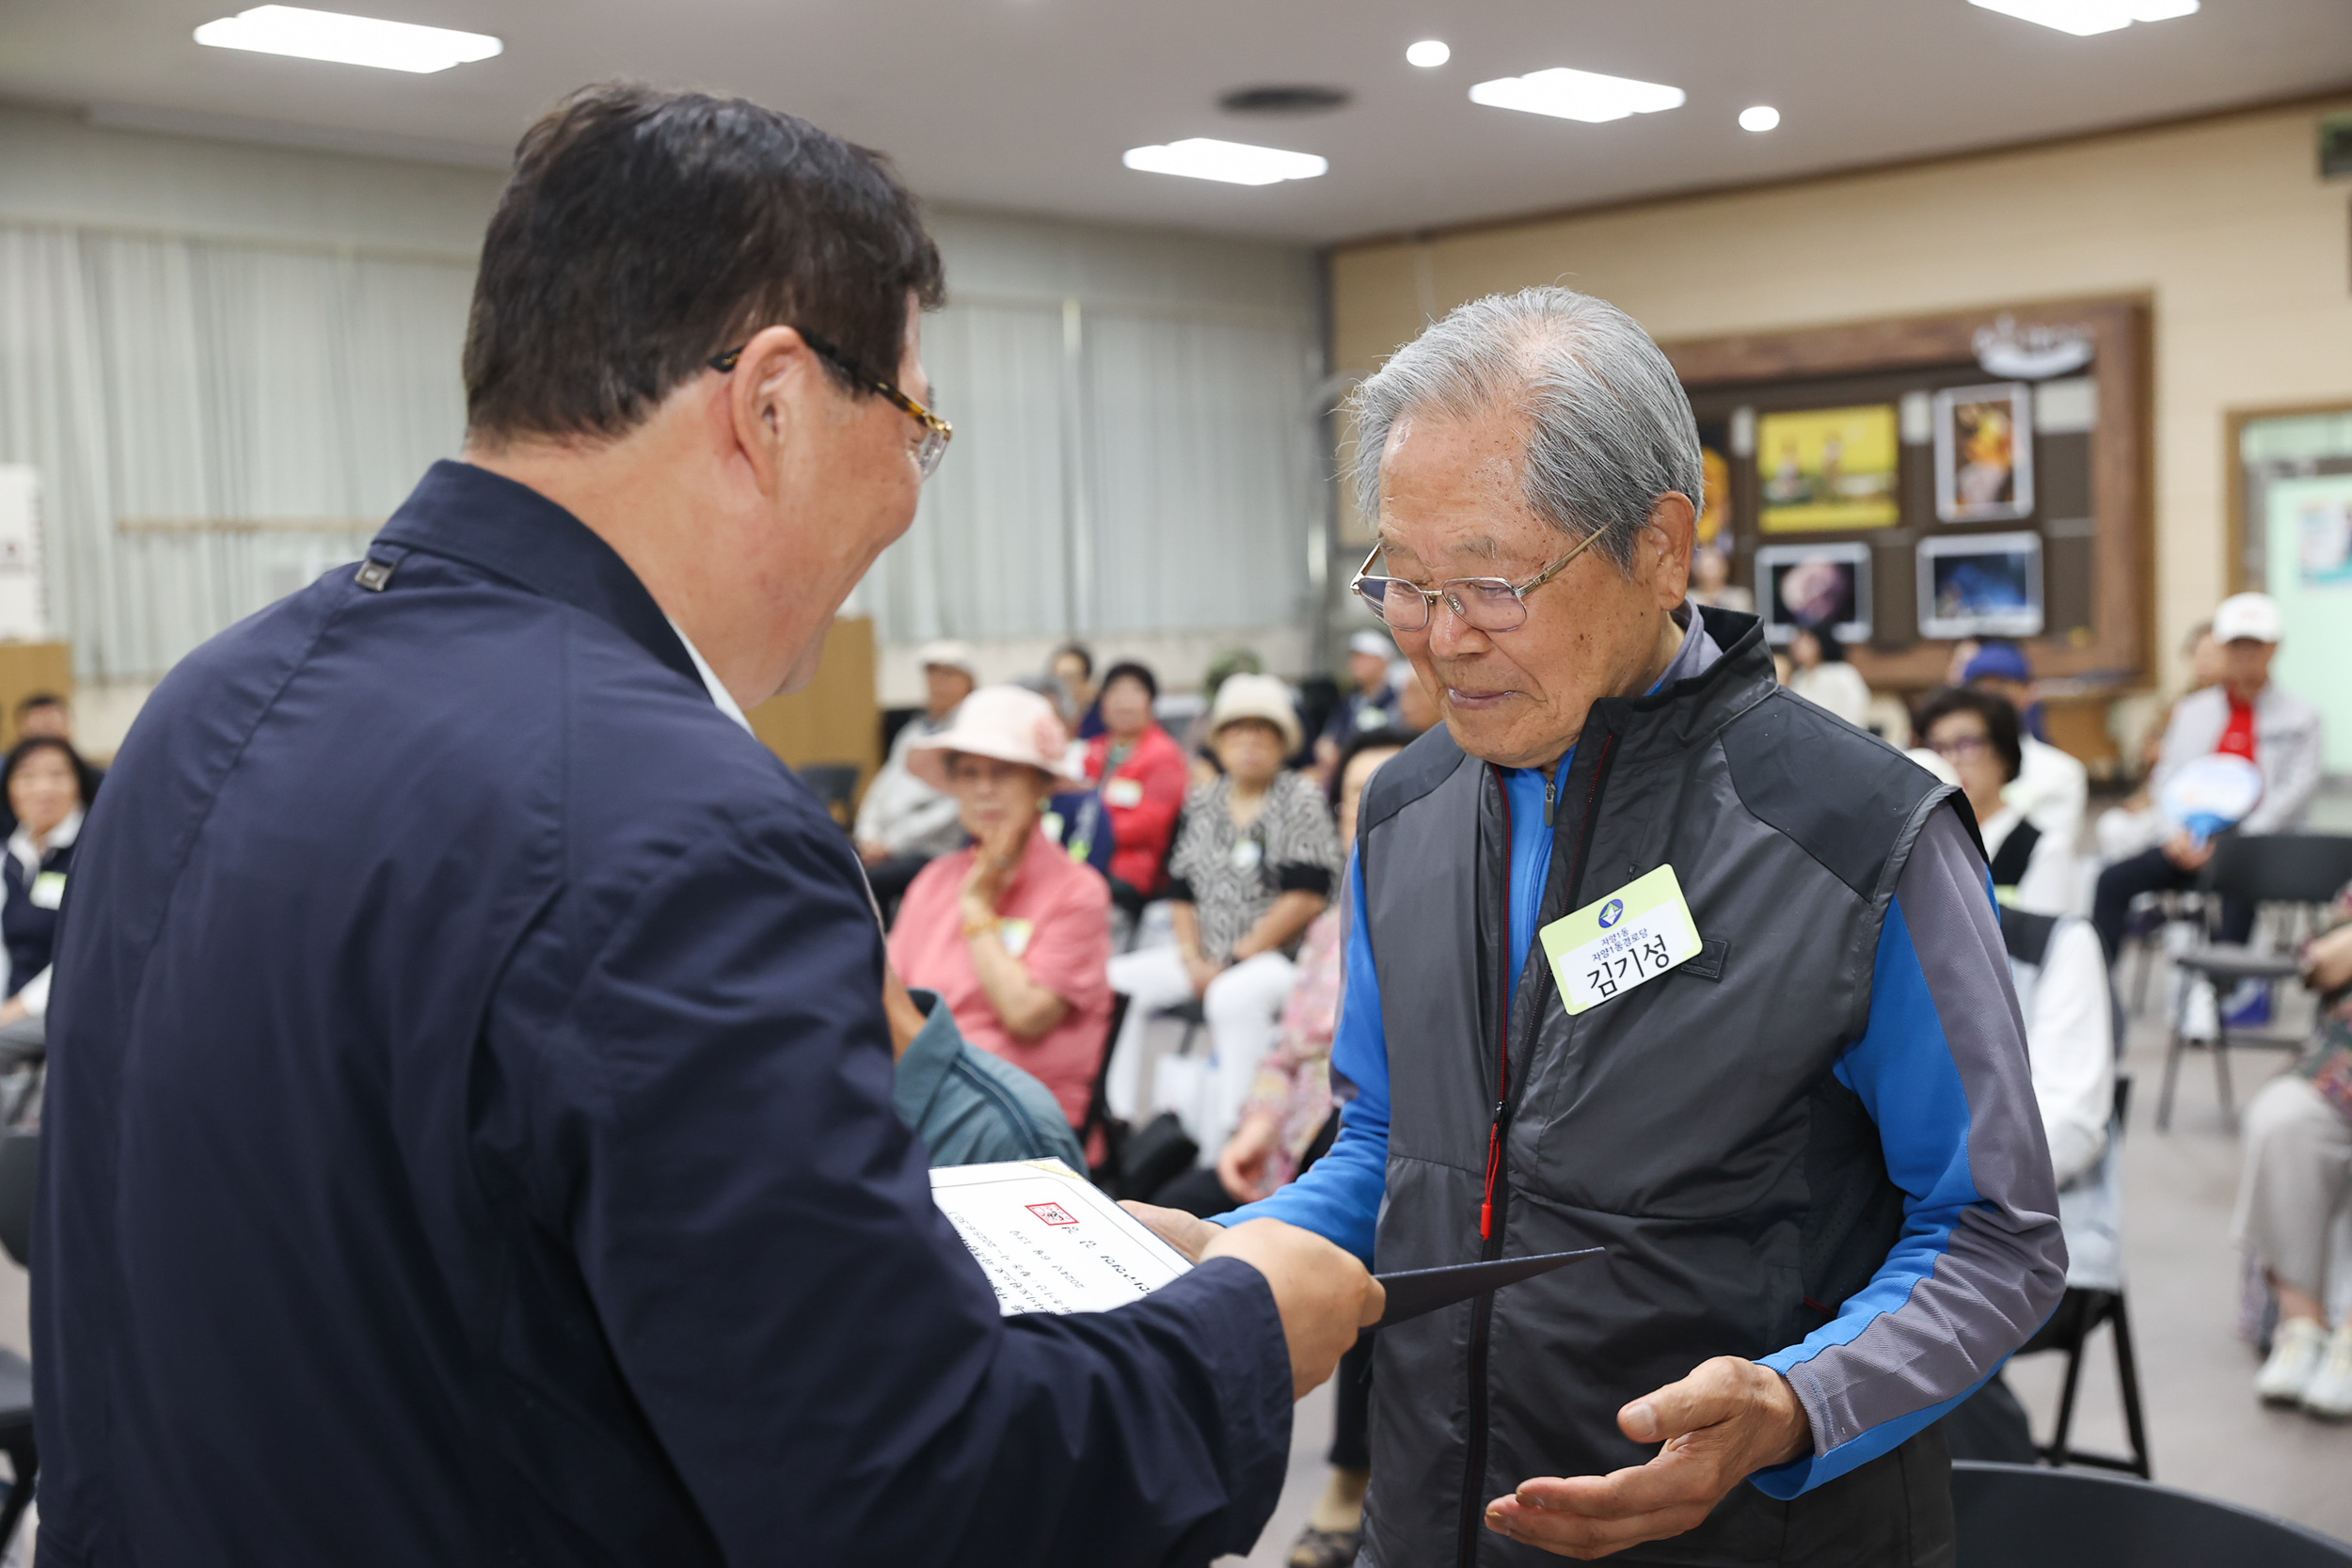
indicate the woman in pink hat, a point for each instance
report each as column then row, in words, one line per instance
column 1011, row 933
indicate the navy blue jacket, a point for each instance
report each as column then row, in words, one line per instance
column 469, row 1137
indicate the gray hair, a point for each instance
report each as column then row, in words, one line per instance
column 1612, row 429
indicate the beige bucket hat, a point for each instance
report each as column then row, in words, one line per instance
column 1010, row 723
column 1256, row 697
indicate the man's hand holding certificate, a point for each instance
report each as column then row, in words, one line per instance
column 1050, row 1242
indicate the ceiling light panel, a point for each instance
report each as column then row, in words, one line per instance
column 346, row 40
column 2084, row 18
column 1235, row 162
column 1428, row 53
column 1762, row 117
column 1583, row 95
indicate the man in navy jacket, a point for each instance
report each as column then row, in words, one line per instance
column 469, row 1137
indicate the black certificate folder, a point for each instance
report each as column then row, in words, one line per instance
column 1419, row 1291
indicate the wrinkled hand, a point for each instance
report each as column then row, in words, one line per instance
column 1728, row 1419
column 1187, row 1233
column 1324, row 1294
column 2186, row 853
column 994, row 856
column 1241, row 1163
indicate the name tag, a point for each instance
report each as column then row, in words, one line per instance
column 48, row 889
column 1627, row 939
column 1127, row 794
column 1052, row 823
column 1016, row 934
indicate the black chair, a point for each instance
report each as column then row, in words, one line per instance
column 2025, row 1516
column 2306, row 869
column 833, row 782
column 20, row 1158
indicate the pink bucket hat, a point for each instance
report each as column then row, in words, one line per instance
column 1010, row 723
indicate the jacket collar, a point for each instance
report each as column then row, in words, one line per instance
column 486, row 520
column 1684, row 713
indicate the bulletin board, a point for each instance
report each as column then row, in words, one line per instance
column 2291, row 537
column 2020, row 461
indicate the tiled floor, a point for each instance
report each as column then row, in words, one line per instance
column 2206, row 1432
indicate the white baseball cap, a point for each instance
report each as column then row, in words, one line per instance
column 1374, row 643
column 949, row 654
column 2249, row 616
column 1010, row 723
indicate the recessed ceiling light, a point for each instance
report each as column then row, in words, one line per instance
column 1235, row 162
column 346, row 40
column 1583, row 95
column 1428, row 53
column 2083, row 18
column 1763, row 116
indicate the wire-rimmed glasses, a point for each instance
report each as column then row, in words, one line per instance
column 1488, row 604
column 937, row 431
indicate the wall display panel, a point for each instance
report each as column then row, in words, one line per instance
column 1984, row 441
column 2291, row 527
column 1826, row 469
column 2071, row 451
column 1819, row 587
column 1980, row 585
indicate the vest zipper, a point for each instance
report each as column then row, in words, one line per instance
column 1490, row 1234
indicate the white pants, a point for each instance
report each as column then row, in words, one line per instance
column 1244, row 1006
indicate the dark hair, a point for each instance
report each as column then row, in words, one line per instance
column 644, row 232
column 84, row 775
column 1366, row 740
column 1999, row 715
column 1127, row 669
column 38, row 699
column 1077, row 651
column 1833, row 651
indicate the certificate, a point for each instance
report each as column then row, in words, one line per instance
column 1049, row 1240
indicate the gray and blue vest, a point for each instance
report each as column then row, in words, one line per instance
column 1691, row 1126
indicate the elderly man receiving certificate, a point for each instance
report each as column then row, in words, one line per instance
column 1649, row 953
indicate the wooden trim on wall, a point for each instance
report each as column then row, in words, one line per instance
column 2120, row 653
column 2234, row 424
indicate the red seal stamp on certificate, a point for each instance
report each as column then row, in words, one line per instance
column 1052, row 1213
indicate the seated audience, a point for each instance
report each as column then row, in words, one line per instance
column 1711, row 584
column 46, row 715
column 1369, row 703
column 2052, row 788
column 1075, row 695
column 1821, row 675
column 903, row 823
column 1979, row 735
column 2246, row 715
column 1254, row 865
column 2134, row 825
column 1011, row 932
column 46, row 787
column 2298, row 1175
column 968, row 1107
column 1139, row 771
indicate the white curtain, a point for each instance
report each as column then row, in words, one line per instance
column 217, row 423
column 214, row 423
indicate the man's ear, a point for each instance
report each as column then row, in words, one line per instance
column 767, row 399
column 1672, row 531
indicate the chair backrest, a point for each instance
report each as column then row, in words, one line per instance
column 833, row 782
column 2281, row 868
column 20, row 1158
column 2025, row 1516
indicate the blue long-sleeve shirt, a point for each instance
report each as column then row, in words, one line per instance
column 1936, row 1026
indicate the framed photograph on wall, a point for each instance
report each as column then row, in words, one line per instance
column 1823, row 469
column 1980, row 585
column 1823, row 587
column 1984, row 453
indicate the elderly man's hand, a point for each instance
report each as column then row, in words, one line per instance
column 1728, row 1419
column 1324, row 1294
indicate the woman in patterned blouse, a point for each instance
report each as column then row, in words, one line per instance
column 1255, row 862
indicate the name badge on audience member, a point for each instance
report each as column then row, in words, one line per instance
column 1052, row 824
column 1625, row 940
column 1125, row 794
column 48, row 889
column 1016, row 934
column 1247, row 852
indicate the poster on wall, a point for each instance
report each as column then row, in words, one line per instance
column 1826, row 588
column 1980, row 585
column 1984, row 452
column 2317, row 527
column 1715, row 529
column 24, row 605
column 1828, row 468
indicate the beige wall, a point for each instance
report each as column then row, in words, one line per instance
column 2225, row 225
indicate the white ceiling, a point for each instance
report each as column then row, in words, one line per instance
column 1027, row 104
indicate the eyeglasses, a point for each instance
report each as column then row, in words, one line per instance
column 937, row 431
column 1960, row 747
column 1488, row 604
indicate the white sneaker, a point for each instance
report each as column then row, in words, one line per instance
column 2296, row 1353
column 2329, row 1391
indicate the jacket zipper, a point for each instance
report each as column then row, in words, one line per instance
column 1491, row 1234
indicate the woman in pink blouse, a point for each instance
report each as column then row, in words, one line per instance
column 1011, row 933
